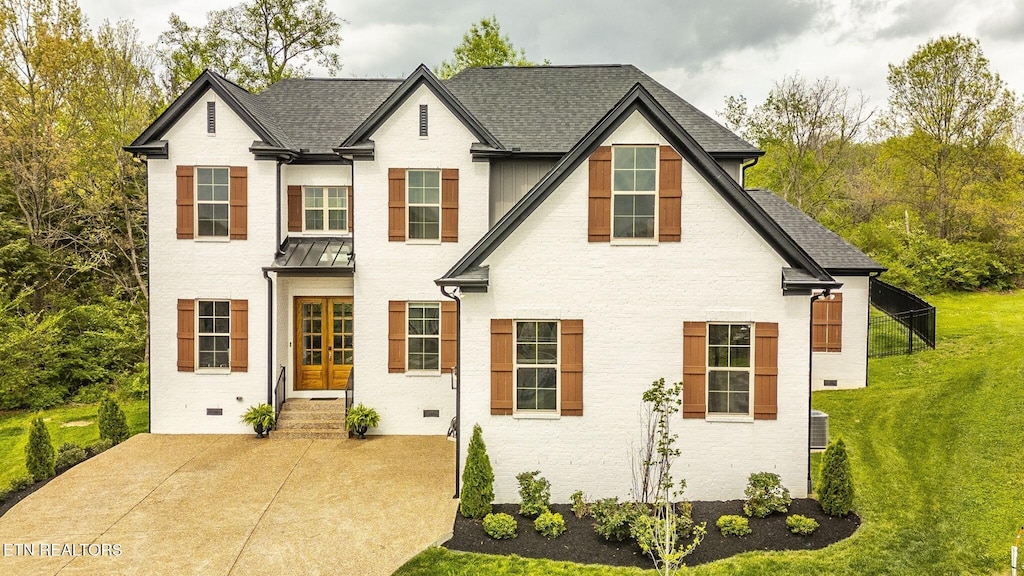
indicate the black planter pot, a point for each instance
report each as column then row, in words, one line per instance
column 360, row 432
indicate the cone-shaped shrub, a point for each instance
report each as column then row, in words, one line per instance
column 40, row 457
column 112, row 422
column 836, row 491
column 477, row 479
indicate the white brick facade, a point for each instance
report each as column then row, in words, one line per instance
column 849, row 367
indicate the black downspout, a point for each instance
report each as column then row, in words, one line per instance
column 810, row 379
column 743, row 172
column 458, row 384
column 270, row 337
column 277, row 246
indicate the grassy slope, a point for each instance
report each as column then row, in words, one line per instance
column 14, row 431
column 936, row 442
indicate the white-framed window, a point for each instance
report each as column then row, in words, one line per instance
column 212, row 195
column 424, row 336
column 536, row 366
column 213, row 342
column 730, row 350
column 634, row 192
column 325, row 208
column 424, row 206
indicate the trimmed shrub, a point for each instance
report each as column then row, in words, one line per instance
column 40, row 456
column 4, row 493
column 477, row 479
column 801, row 525
column 101, row 445
column 684, row 519
column 549, row 524
column 836, row 491
column 765, row 494
column 68, row 455
column 500, row 526
column 613, row 520
column 112, row 422
column 20, row 483
column 580, row 506
column 535, row 492
column 732, row 525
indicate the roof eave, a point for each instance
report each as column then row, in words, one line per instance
column 154, row 150
column 361, row 151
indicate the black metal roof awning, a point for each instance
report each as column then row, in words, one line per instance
column 327, row 256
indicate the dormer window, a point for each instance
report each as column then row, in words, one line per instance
column 634, row 191
column 211, row 117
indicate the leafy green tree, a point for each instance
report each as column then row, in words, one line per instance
column 477, row 479
column 254, row 43
column 484, row 45
column 947, row 109
column 40, row 457
column 836, row 491
column 112, row 422
column 807, row 130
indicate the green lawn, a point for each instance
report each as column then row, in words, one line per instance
column 14, row 431
column 936, row 442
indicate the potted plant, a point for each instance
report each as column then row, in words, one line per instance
column 360, row 418
column 261, row 418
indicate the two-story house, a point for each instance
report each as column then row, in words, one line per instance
column 523, row 248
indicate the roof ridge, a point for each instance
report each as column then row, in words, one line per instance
column 536, row 66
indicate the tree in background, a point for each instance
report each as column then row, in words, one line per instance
column 947, row 111
column 807, row 130
column 484, row 45
column 254, row 44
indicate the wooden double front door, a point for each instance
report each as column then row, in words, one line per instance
column 323, row 343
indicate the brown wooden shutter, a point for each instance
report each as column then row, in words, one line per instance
column 827, row 324
column 670, row 195
column 572, row 367
column 238, row 201
column 695, row 335
column 600, row 205
column 450, row 205
column 766, row 370
column 396, row 204
column 295, row 208
column 240, row 335
column 449, row 332
column 186, row 335
column 396, row 336
column 351, row 210
column 186, row 201
column 835, row 323
column 502, row 349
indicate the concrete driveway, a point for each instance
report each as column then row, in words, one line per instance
column 220, row 505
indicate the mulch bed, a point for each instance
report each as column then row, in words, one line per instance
column 14, row 497
column 581, row 544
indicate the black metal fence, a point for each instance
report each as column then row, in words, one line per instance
column 900, row 323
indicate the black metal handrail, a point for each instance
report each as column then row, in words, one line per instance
column 279, row 394
column 350, row 389
column 907, row 326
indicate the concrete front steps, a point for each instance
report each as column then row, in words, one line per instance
column 319, row 419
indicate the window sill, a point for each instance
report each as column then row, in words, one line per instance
column 212, row 238
column 213, row 371
column 729, row 418
column 330, row 233
column 422, row 373
column 634, row 242
column 536, row 415
column 424, row 241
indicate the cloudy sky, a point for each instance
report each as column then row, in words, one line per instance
column 703, row 49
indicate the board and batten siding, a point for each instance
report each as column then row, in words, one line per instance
column 634, row 302
column 510, row 181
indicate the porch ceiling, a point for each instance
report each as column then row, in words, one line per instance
column 319, row 255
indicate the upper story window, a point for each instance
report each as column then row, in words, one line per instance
column 214, row 342
column 212, row 196
column 634, row 191
column 325, row 208
column 536, row 367
column 424, row 208
column 729, row 377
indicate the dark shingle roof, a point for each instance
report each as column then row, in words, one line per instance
column 549, row 108
column 823, row 245
column 317, row 114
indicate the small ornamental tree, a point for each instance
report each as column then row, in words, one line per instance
column 40, row 457
column 112, row 422
column 836, row 491
column 477, row 479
